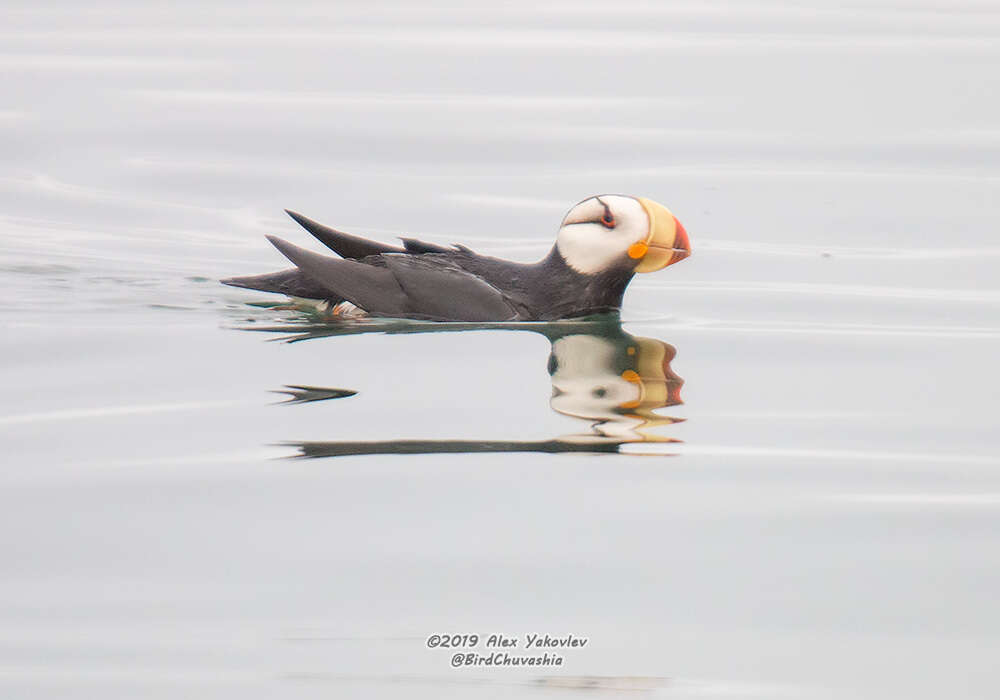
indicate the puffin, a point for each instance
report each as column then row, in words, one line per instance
column 602, row 242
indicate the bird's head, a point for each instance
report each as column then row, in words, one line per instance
column 618, row 379
column 617, row 231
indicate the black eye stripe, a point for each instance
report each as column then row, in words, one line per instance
column 607, row 219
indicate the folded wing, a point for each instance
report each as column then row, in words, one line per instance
column 439, row 291
column 398, row 284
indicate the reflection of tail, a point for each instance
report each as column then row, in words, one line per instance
column 586, row 444
column 305, row 394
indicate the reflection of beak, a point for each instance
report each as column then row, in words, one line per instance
column 659, row 386
column 667, row 242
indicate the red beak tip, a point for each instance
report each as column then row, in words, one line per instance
column 681, row 237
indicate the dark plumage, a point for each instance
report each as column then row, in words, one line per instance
column 427, row 281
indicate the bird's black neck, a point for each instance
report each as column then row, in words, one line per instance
column 574, row 293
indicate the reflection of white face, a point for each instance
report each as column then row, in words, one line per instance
column 598, row 231
column 585, row 383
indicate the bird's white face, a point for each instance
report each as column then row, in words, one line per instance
column 617, row 382
column 585, row 383
column 612, row 229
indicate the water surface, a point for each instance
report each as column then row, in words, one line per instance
column 816, row 515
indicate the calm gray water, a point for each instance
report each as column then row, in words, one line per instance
column 824, row 523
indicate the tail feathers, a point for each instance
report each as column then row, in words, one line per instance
column 343, row 244
column 291, row 282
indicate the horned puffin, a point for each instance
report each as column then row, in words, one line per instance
column 602, row 242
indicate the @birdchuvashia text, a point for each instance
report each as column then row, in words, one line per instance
column 506, row 651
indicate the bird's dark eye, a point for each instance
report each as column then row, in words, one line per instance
column 600, row 392
column 607, row 219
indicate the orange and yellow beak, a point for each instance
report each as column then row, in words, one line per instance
column 666, row 243
column 658, row 384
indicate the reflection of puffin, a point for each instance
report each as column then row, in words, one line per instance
column 602, row 242
column 616, row 381
column 613, row 380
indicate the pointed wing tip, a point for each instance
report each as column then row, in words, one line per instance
column 287, row 249
column 234, row 282
column 303, row 221
column 314, row 227
column 345, row 245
